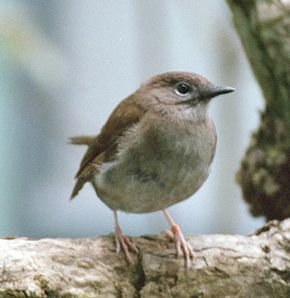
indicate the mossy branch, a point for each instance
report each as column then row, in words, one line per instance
column 264, row 29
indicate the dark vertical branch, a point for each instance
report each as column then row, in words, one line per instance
column 264, row 29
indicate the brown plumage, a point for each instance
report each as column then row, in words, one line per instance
column 103, row 148
column 82, row 140
column 154, row 151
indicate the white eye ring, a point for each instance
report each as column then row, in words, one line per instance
column 182, row 89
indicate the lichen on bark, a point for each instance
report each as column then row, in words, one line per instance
column 264, row 175
column 224, row 266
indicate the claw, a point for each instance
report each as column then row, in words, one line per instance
column 183, row 248
column 124, row 243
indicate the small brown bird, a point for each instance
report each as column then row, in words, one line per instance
column 154, row 151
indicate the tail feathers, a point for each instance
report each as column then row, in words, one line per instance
column 78, row 186
column 81, row 140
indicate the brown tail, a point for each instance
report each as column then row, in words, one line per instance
column 81, row 140
column 78, row 186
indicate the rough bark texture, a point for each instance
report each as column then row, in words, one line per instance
column 264, row 29
column 225, row 266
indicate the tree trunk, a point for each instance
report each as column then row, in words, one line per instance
column 224, row 266
column 264, row 29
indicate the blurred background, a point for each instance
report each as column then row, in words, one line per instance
column 64, row 66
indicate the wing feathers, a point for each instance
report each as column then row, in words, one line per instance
column 104, row 147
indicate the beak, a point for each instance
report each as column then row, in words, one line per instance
column 218, row 90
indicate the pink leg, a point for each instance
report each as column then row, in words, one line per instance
column 182, row 246
column 123, row 242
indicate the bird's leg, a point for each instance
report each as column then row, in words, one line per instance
column 122, row 241
column 182, row 246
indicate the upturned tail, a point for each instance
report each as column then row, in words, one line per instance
column 81, row 140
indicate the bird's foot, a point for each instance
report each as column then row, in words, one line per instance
column 125, row 244
column 183, row 248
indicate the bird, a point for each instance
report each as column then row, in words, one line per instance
column 154, row 151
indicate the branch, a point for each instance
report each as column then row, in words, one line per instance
column 225, row 266
column 264, row 29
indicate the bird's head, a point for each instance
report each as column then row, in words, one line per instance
column 182, row 92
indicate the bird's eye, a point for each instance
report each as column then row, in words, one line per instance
column 182, row 89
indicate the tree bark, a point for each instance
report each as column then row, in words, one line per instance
column 225, row 266
column 264, row 29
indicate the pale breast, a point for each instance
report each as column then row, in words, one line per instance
column 156, row 167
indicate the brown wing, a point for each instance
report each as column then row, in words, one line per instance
column 104, row 146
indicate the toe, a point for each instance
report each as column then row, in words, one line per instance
column 125, row 249
column 183, row 248
column 130, row 244
column 169, row 235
